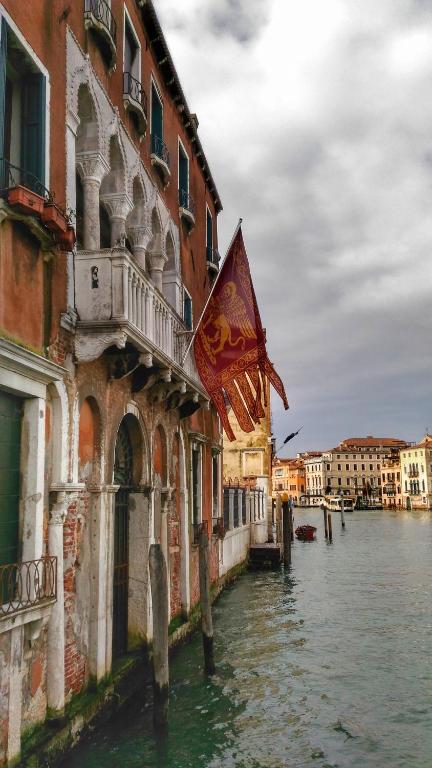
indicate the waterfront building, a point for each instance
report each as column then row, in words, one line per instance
column 391, row 482
column 289, row 477
column 247, row 488
column 352, row 469
column 108, row 439
column 416, row 474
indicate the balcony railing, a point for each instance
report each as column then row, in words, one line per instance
column 23, row 585
column 98, row 15
column 135, row 99
column 160, row 149
column 197, row 530
column 13, row 176
column 413, row 473
column 212, row 257
column 125, row 297
column 186, row 202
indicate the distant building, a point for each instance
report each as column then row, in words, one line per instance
column 416, row 474
column 247, row 480
column 289, row 476
column 391, row 482
column 351, row 469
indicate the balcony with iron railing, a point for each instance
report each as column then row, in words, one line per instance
column 160, row 157
column 123, row 306
column 135, row 100
column 186, row 207
column 99, row 18
column 27, row 585
column 413, row 473
column 11, row 176
column 212, row 259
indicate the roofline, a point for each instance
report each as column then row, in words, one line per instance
column 150, row 20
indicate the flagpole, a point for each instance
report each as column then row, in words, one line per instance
column 211, row 292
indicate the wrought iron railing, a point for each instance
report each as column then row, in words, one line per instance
column 186, row 201
column 101, row 11
column 197, row 530
column 12, row 176
column 23, row 585
column 132, row 87
column 212, row 256
column 219, row 527
column 160, row 149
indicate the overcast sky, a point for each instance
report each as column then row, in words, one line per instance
column 316, row 119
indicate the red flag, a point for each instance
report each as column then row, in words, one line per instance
column 229, row 345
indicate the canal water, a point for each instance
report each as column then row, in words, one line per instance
column 329, row 665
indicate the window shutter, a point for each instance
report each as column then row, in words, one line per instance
column 33, row 126
column 183, row 172
column 157, row 119
column 3, row 57
column 209, row 230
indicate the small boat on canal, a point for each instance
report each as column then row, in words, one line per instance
column 305, row 532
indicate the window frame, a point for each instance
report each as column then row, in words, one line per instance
column 127, row 20
column 45, row 73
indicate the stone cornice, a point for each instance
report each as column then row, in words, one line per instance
column 20, row 360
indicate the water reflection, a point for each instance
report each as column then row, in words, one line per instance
column 327, row 666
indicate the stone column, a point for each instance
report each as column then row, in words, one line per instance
column 92, row 167
column 231, row 493
column 139, row 237
column 56, row 641
column 118, row 205
column 156, row 262
column 106, row 594
column 32, row 487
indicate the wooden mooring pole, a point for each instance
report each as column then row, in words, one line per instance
column 159, row 593
column 286, row 533
column 324, row 509
column 330, row 531
column 206, row 614
column 343, row 513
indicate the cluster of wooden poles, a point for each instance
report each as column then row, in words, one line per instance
column 159, row 594
column 288, row 528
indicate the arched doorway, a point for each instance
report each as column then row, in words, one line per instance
column 123, row 476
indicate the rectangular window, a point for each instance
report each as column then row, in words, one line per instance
column 187, row 310
column 347, row 467
column 131, row 51
column 339, row 467
column 183, row 177
column 278, row 472
column 371, row 467
column 355, row 467
column 363, row 467
column 348, row 482
column 339, row 481
column 209, row 236
column 22, row 115
column 156, row 122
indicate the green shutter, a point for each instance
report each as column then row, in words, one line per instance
column 3, row 57
column 10, row 440
column 209, row 230
column 183, row 173
column 33, row 126
column 157, row 115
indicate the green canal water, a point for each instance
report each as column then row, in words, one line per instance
column 329, row 665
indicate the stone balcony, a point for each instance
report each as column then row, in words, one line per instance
column 119, row 307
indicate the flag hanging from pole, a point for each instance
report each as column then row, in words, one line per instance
column 229, row 345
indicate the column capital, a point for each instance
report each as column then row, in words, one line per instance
column 118, row 204
column 91, row 166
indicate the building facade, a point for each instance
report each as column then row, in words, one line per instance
column 352, row 469
column 289, row 477
column 416, row 474
column 109, row 442
column 247, row 481
column 391, row 483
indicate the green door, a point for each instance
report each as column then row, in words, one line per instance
column 10, row 439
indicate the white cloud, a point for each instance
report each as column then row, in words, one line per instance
column 316, row 119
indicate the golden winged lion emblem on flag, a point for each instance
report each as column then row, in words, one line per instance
column 230, row 322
